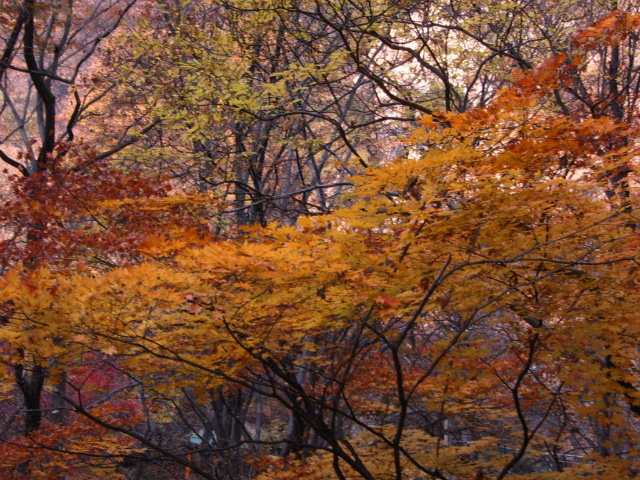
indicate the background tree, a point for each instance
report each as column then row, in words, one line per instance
column 47, row 84
column 271, row 106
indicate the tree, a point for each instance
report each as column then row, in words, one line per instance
column 42, row 61
column 49, row 216
column 271, row 106
column 48, row 87
column 471, row 312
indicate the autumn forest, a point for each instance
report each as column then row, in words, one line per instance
column 319, row 239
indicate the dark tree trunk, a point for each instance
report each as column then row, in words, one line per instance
column 31, row 387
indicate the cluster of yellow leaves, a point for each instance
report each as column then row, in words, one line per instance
column 462, row 462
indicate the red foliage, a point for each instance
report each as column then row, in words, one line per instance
column 91, row 210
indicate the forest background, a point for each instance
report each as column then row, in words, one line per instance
column 282, row 239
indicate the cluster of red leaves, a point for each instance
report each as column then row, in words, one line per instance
column 94, row 210
column 50, row 453
column 609, row 31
